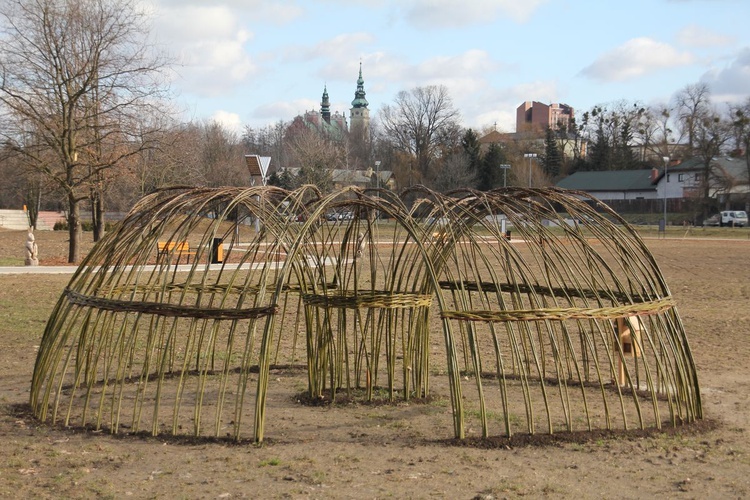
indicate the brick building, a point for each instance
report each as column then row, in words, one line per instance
column 534, row 116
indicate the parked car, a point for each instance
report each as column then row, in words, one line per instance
column 733, row 218
column 343, row 215
column 714, row 220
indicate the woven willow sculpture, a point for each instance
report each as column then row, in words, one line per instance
column 567, row 326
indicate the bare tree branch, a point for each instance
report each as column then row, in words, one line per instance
column 76, row 78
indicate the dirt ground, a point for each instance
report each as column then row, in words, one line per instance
column 397, row 451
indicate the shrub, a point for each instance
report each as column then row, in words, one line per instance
column 62, row 225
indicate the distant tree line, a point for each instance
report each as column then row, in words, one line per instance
column 86, row 124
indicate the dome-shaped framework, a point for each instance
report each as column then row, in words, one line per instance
column 367, row 296
column 159, row 328
column 569, row 323
column 375, row 287
column 566, row 326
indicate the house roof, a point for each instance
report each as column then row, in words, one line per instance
column 734, row 168
column 341, row 176
column 492, row 137
column 611, row 180
column 689, row 165
column 495, row 137
column 355, row 177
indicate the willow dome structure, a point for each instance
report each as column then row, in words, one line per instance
column 550, row 312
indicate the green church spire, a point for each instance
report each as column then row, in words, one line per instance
column 359, row 96
column 325, row 105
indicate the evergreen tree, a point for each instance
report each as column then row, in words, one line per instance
column 551, row 159
column 624, row 159
column 600, row 151
column 471, row 146
column 284, row 180
column 490, row 174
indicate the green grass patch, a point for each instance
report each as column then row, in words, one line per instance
column 271, row 462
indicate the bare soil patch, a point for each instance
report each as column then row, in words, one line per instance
column 401, row 450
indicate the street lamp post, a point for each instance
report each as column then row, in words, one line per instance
column 377, row 186
column 530, row 156
column 505, row 168
column 666, row 180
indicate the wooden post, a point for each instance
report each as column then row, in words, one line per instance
column 629, row 336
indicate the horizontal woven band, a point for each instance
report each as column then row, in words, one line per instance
column 490, row 287
column 368, row 298
column 561, row 314
column 170, row 310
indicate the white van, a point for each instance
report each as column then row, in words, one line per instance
column 734, row 218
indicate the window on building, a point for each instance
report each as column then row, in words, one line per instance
column 697, row 177
column 681, row 177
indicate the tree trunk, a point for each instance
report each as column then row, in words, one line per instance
column 99, row 224
column 74, row 230
column 33, row 199
column 97, row 215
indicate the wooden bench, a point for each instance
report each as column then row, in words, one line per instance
column 179, row 247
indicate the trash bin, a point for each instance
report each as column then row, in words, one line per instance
column 217, row 251
column 507, row 235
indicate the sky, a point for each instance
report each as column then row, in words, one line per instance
column 255, row 62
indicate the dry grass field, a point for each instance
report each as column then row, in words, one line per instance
column 401, row 450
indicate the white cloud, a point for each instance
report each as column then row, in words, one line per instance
column 266, row 11
column 283, row 110
column 466, row 76
column 277, row 13
column 463, row 73
column 470, row 63
column 435, row 14
column 377, row 66
column 497, row 106
column 338, row 48
column 230, row 121
column 470, row 66
column 636, row 57
column 209, row 45
column 701, row 37
column 732, row 83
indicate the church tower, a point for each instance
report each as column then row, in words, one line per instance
column 325, row 106
column 360, row 114
column 359, row 129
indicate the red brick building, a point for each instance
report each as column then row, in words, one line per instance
column 534, row 116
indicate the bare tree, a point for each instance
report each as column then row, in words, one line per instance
column 21, row 185
column 314, row 155
column 740, row 117
column 221, row 156
column 419, row 123
column 75, row 78
column 155, row 167
column 692, row 104
column 710, row 134
column 454, row 172
column 267, row 141
column 656, row 135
